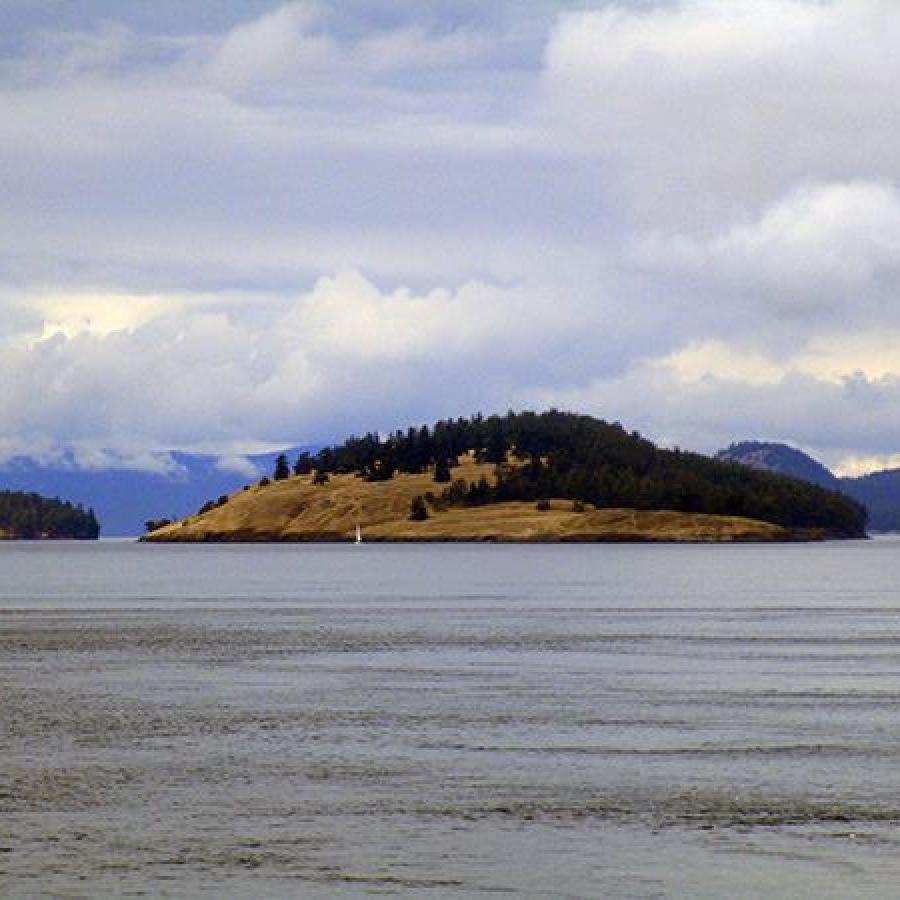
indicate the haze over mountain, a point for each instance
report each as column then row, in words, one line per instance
column 878, row 491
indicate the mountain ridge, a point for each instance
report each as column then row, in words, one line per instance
column 774, row 456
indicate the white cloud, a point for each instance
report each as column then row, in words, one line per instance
column 709, row 107
column 818, row 244
column 853, row 466
column 318, row 220
column 289, row 45
column 270, row 47
column 872, row 355
column 191, row 375
column 831, row 419
column 824, row 252
column 99, row 315
column 239, row 465
column 353, row 322
column 701, row 360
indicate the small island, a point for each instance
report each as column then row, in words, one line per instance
column 31, row 517
column 523, row 477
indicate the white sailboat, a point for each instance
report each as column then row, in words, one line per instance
column 358, row 534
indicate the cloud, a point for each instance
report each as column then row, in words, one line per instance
column 270, row 47
column 60, row 57
column 196, row 376
column 829, row 358
column 831, row 237
column 818, row 257
column 71, row 315
column 289, row 45
column 854, row 465
column 833, row 419
column 239, row 465
column 714, row 108
column 253, row 224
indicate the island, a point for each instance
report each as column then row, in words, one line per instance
column 522, row 477
column 29, row 516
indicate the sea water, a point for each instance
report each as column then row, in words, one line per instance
column 450, row 721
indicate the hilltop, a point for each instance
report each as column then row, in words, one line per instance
column 781, row 458
column 553, row 476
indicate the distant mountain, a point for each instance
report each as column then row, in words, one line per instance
column 124, row 499
column 879, row 492
column 772, row 457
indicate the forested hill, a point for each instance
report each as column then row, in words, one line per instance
column 33, row 517
column 577, row 457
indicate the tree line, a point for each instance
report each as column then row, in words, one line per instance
column 30, row 516
column 412, row 451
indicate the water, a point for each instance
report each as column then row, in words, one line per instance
column 449, row 721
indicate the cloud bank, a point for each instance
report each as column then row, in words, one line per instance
column 274, row 224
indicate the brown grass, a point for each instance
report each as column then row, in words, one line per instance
column 297, row 510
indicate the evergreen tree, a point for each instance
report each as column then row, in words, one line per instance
column 282, row 469
column 304, row 464
column 326, row 459
column 418, row 511
column 496, row 445
column 442, row 470
column 31, row 516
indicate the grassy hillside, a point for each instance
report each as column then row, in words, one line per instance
column 296, row 509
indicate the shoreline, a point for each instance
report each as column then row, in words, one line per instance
column 787, row 538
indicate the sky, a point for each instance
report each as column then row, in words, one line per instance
column 233, row 225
